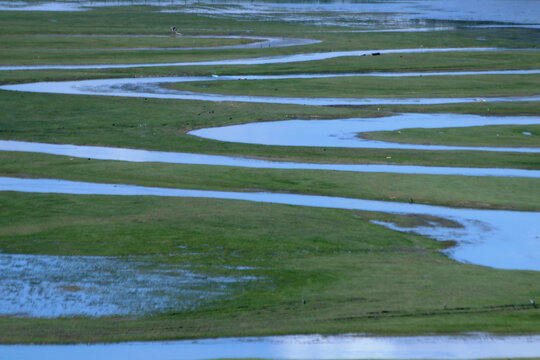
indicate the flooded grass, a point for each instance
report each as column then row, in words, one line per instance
column 50, row 286
column 347, row 269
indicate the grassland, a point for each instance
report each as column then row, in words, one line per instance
column 354, row 275
column 518, row 136
column 455, row 191
column 162, row 125
column 364, row 87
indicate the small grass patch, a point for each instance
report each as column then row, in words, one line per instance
column 366, row 87
column 496, row 136
column 354, row 276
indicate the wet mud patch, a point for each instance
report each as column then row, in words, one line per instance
column 49, row 286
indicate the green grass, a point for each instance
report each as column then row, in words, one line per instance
column 352, row 64
column 90, row 42
column 162, row 125
column 456, row 191
column 364, row 87
column 509, row 135
column 29, row 50
column 145, row 21
column 354, row 275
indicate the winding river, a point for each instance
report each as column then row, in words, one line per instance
column 153, row 88
column 475, row 245
column 281, row 59
column 313, row 347
column 495, row 238
column 138, row 155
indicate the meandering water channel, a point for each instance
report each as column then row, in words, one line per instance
column 280, row 59
column 496, row 238
column 138, row 155
column 153, row 88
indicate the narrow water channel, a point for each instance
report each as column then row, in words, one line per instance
column 299, row 347
column 496, row 238
column 139, row 155
column 153, row 88
column 501, row 239
column 347, row 132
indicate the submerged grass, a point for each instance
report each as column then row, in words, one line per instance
column 456, row 191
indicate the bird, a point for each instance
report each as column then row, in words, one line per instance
column 174, row 29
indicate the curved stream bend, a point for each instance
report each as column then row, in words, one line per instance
column 496, row 238
column 152, row 87
column 259, row 42
column 344, row 132
column 138, row 155
column 280, row 59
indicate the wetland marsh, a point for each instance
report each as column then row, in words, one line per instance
column 345, row 261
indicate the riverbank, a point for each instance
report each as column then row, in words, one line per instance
column 312, row 270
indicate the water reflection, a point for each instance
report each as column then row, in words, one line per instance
column 348, row 13
column 152, row 87
column 344, row 132
column 136, row 155
column 496, row 238
column 64, row 286
column 349, row 346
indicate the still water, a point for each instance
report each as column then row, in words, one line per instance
column 312, row 347
column 140, row 155
column 344, row 132
column 280, row 59
column 496, row 238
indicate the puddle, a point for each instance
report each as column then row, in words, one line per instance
column 344, row 132
column 135, row 155
column 496, row 238
column 64, row 286
column 348, row 346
